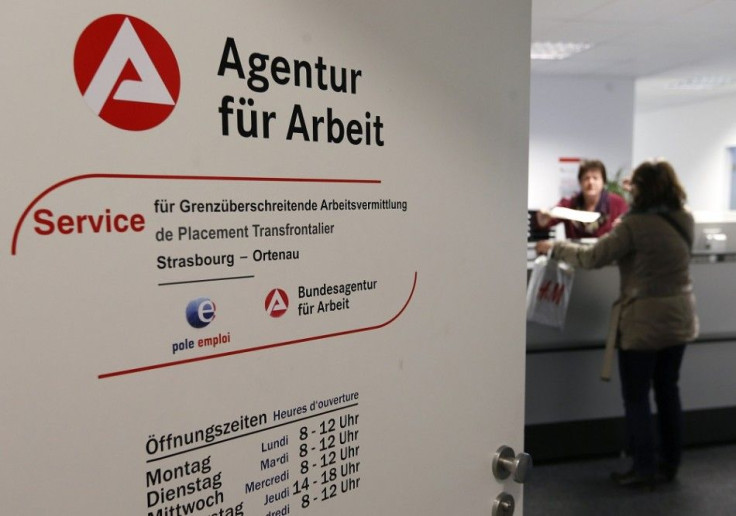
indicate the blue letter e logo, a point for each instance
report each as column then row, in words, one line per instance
column 200, row 312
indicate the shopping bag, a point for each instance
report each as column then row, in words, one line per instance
column 548, row 292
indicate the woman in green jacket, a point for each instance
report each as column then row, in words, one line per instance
column 654, row 316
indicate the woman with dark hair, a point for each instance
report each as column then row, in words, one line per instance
column 593, row 196
column 653, row 318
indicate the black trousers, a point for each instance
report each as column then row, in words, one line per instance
column 640, row 371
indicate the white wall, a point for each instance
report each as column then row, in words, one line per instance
column 576, row 117
column 694, row 138
column 597, row 118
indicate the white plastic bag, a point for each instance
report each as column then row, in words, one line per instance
column 548, row 292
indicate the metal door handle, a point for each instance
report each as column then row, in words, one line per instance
column 506, row 462
column 503, row 505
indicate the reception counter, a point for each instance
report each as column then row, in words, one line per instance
column 570, row 412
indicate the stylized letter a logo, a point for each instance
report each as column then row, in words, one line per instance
column 126, row 72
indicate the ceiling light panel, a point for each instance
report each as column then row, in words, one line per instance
column 552, row 50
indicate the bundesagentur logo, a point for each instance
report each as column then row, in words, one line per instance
column 126, row 72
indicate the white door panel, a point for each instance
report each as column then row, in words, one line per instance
column 271, row 264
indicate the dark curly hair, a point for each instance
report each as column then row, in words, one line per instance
column 655, row 184
column 592, row 164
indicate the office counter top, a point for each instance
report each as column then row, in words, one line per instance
column 593, row 292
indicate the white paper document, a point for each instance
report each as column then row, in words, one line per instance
column 585, row 217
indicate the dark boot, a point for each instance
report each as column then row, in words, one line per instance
column 666, row 473
column 633, row 479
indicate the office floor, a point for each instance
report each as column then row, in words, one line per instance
column 705, row 486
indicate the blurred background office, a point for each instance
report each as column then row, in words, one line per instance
column 623, row 81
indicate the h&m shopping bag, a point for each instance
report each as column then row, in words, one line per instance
column 548, row 292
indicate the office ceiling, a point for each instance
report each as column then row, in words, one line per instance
column 679, row 51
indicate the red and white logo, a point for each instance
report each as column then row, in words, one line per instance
column 126, row 72
column 277, row 302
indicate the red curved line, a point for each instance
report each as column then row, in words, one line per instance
column 16, row 233
column 266, row 346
